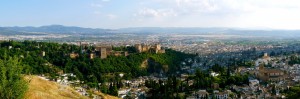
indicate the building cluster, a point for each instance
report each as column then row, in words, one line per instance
column 135, row 88
column 99, row 51
column 211, row 47
column 268, row 74
column 203, row 94
column 102, row 51
column 272, row 75
column 149, row 48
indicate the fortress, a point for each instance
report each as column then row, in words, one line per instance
column 103, row 51
column 156, row 48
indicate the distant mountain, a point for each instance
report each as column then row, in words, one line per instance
column 186, row 30
column 215, row 31
column 56, row 29
column 173, row 30
column 5, row 31
column 266, row 33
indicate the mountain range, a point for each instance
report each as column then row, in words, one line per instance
column 186, row 30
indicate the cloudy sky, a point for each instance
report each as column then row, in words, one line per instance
column 270, row 14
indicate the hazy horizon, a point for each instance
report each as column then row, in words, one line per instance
column 236, row 28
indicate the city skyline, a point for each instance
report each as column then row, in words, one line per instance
column 113, row 14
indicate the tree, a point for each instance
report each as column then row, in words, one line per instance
column 12, row 83
column 104, row 88
column 293, row 92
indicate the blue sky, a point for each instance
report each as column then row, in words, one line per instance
column 275, row 14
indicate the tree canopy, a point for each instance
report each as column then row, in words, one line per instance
column 12, row 83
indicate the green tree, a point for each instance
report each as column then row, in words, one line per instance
column 12, row 83
column 293, row 92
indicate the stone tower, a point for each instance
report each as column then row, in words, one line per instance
column 138, row 48
column 103, row 53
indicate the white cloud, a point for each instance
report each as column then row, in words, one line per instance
column 224, row 13
column 206, row 13
column 185, row 6
column 156, row 13
column 217, row 6
column 197, row 5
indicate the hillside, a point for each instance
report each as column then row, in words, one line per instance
column 50, row 58
column 43, row 89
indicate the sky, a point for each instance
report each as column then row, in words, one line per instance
column 112, row 14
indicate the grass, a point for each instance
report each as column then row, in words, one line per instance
column 43, row 89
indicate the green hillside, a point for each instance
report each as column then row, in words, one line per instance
column 91, row 71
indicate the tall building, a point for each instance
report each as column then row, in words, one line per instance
column 158, row 49
column 145, row 48
column 157, row 46
column 266, row 57
column 138, row 48
column 103, row 53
